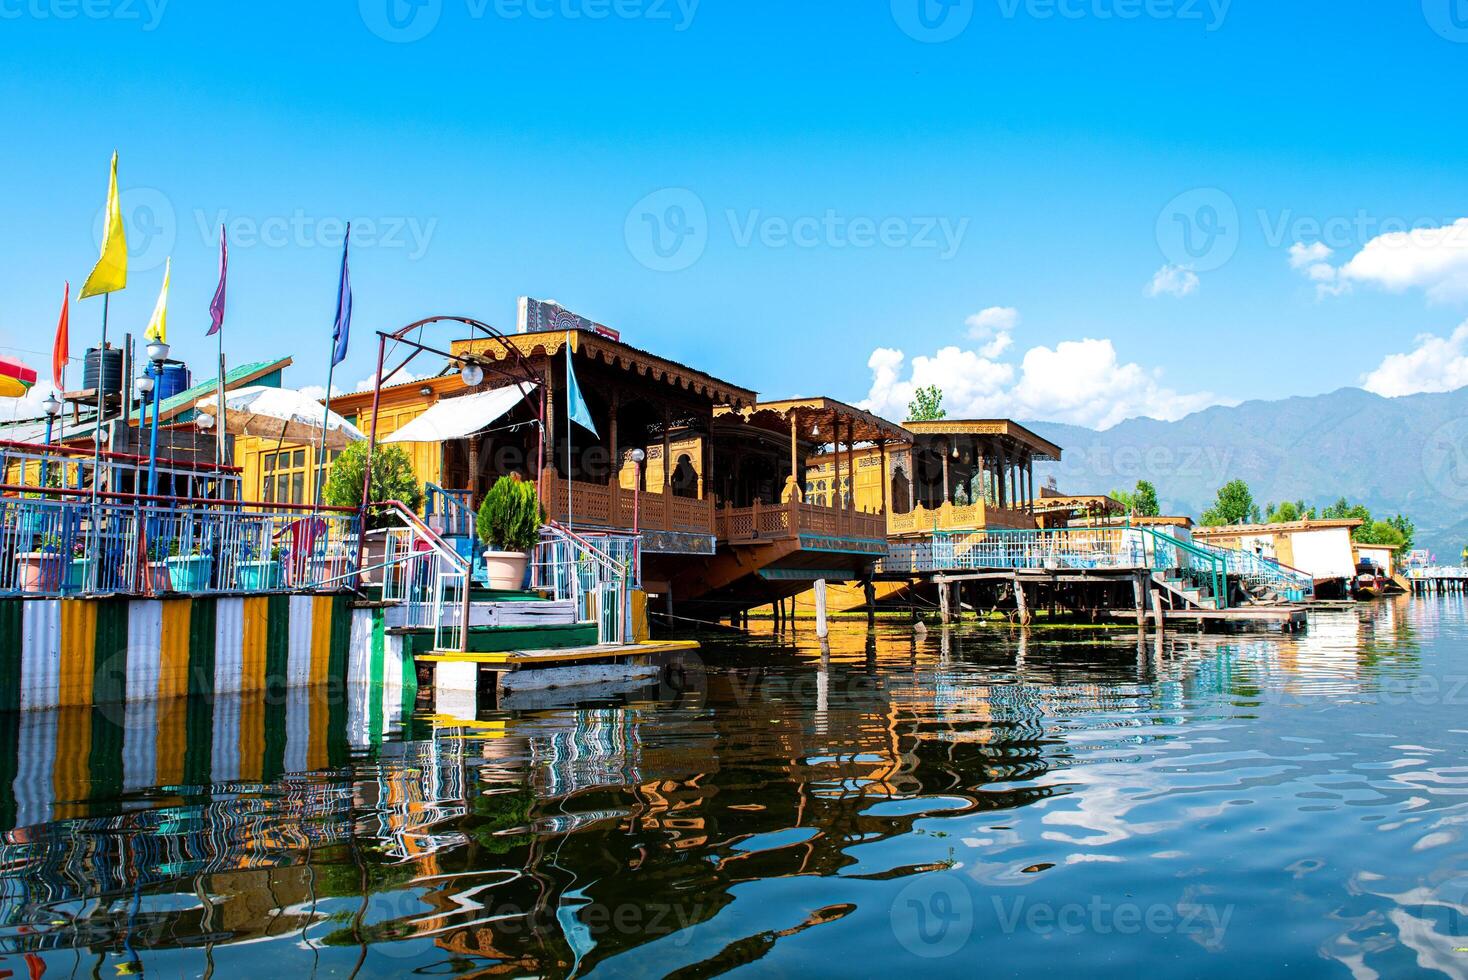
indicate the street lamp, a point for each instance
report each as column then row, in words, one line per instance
column 638, row 456
column 52, row 407
column 472, row 375
column 157, row 354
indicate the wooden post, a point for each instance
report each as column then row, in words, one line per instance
column 1157, row 609
column 821, row 628
column 944, row 612
column 943, row 497
column 886, row 478
column 615, row 511
column 869, row 589
column 1138, row 594
column 1002, row 492
column 795, row 493
column 667, row 469
column 1020, row 601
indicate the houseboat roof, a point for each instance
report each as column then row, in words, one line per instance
column 1051, row 502
column 612, row 352
column 816, row 418
column 1042, row 448
column 1137, row 521
column 1284, row 527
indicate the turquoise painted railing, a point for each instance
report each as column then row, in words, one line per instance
column 449, row 512
column 1074, row 547
column 1256, row 571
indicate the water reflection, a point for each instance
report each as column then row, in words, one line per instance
column 1024, row 800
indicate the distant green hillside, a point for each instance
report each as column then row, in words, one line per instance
column 1392, row 454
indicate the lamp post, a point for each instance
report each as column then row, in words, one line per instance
column 52, row 407
column 638, row 456
column 157, row 354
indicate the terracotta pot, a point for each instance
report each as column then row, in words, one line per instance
column 374, row 553
column 158, row 578
column 506, row 569
column 40, row 571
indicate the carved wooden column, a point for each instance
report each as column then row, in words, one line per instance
column 615, row 488
column 943, row 497
column 667, row 468
column 792, row 486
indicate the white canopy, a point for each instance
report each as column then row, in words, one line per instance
column 282, row 414
column 458, row 418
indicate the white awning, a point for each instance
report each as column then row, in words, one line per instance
column 459, row 418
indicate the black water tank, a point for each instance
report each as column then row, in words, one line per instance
column 111, row 369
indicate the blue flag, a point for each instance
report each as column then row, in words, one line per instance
column 343, row 327
column 576, row 408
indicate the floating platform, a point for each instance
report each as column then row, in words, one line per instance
column 1290, row 619
column 460, row 678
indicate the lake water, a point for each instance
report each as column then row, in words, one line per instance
column 981, row 801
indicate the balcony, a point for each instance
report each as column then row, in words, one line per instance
column 956, row 517
column 779, row 522
column 609, row 505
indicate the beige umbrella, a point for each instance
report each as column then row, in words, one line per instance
column 282, row 414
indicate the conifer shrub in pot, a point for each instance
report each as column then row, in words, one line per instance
column 509, row 523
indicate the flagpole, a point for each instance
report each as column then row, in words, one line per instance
column 101, row 387
column 570, row 513
column 325, row 418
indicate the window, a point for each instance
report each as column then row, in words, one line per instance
column 285, row 477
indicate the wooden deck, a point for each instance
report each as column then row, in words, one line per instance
column 543, row 659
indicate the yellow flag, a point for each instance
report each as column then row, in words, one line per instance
column 158, row 323
column 110, row 272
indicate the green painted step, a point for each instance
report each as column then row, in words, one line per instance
column 505, row 639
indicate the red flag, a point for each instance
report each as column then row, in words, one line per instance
column 61, row 353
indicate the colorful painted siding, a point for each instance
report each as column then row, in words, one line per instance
column 85, row 652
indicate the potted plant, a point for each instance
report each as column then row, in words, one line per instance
column 79, row 572
column 40, row 570
column 189, row 572
column 258, row 573
column 509, row 522
column 156, row 568
column 392, row 479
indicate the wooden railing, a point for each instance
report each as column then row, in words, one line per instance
column 770, row 522
column 953, row 517
column 608, row 505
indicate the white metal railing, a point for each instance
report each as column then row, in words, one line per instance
column 429, row 578
column 597, row 572
column 58, row 544
column 1439, row 572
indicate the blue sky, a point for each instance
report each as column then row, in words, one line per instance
column 825, row 181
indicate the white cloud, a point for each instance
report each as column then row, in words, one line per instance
column 994, row 327
column 1433, row 259
column 401, row 377
column 318, row 392
column 1311, row 262
column 28, row 407
column 1303, row 256
column 1173, row 280
column 1435, row 364
column 1078, row 381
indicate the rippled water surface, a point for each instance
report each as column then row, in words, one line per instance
column 973, row 802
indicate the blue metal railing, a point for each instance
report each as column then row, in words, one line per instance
column 449, row 512
column 1140, row 548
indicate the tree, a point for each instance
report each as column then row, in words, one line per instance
column 1141, row 502
column 927, row 405
column 1285, row 513
column 392, row 479
column 1144, row 501
column 1234, row 504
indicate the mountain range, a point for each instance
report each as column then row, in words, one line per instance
column 1404, row 455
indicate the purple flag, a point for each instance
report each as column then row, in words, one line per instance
column 343, row 306
column 216, row 305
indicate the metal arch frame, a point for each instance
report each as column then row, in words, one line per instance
column 523, row 376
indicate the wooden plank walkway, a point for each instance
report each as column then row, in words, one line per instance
column 541, row 659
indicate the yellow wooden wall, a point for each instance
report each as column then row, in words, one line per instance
column 249, row 451
column 823, row 469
